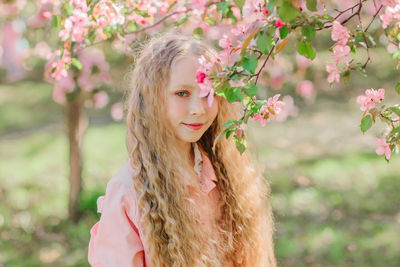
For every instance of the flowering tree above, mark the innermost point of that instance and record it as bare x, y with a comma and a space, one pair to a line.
259, 31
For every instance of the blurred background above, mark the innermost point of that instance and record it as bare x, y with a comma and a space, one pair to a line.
336, 203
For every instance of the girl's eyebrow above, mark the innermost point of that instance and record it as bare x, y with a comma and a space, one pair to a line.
183, 85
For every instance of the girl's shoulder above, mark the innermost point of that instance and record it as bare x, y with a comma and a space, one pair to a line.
123, 176
120, 191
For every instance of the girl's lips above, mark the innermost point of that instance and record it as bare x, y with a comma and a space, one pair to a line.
194, 126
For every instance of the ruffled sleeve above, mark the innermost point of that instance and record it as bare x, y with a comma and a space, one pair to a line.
115, 239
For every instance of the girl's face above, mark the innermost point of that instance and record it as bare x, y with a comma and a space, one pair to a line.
187, 113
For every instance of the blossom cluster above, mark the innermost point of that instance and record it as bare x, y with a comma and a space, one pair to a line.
341, 51
205, 82
269, 111
371, 97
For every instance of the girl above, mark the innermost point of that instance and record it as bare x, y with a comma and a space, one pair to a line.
175, 202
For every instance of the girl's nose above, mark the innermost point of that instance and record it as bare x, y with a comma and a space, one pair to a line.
197, 105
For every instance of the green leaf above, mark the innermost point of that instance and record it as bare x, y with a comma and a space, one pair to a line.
366, 123
264, 42
228, 133
223, 8
284, 31
287, 12
250, 90
311, 5
66, 9
305, 49
308, 32
271, 4
198, 33
56, 21
397, 87
395, 110
239, 3
181, 20
240, 144
228, 123
76, 63
328, 17
233, 94
250, 63
131, 26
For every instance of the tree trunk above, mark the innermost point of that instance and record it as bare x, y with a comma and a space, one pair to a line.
77, 123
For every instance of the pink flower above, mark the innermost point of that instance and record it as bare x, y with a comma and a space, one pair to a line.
389, 2
306, 89
225, 42
371, 96
279, 23
266, 11
339, 33
46, 14
206, 89
94, 70
340, 53
289, 109
333, 73
200, 76
63, 86
269, 111
383, 148
386, 18
240, 29
100, 99
117, 112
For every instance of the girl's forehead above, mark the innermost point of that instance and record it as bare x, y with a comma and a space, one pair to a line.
184, 71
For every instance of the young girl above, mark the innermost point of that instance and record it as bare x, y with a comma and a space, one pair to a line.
175, 202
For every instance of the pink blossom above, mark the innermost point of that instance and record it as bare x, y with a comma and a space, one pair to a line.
93, 60
386, 18
199, 4
100, 99
269, 111
46, 14
302, 62
289, 109
265, 11
117, 112
340, 53
279, 23
206, 89
339, 33
63, 86
371, 96
56, 65
306, 89
389, 2
383, 148
200, 77
225, 42
333, 73
240, 30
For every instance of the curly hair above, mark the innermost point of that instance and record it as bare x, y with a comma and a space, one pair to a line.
171, 227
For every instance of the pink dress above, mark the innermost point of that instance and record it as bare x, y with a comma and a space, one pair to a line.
116, 237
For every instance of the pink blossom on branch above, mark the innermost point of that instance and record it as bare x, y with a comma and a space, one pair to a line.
333, 73
341, 53
269, 111
340, 33
383, 148
204, 82
371, 97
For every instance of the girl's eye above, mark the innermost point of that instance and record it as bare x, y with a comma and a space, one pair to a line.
180, 93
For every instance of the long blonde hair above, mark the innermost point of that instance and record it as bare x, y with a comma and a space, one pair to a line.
171, 227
